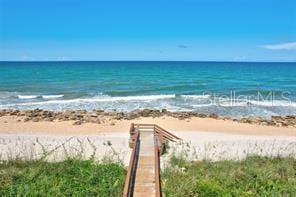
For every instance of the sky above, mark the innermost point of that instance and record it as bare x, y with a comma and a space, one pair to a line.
181, 30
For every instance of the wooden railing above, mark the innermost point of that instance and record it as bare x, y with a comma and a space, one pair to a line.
156, 168
131, 172
165, 133
157, 129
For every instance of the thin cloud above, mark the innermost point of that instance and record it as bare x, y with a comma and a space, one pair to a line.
182, 46
283, 46
26, 58
63, 58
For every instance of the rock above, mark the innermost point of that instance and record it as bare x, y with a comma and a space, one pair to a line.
51, 119
79, 122
145, 112
276, 117
94, 115
27, 119
284, 124
47, 119
119, 116
213, 115
35, 119
265, 123
132, 116
291, 117
72, 118
33, 114
37, 110
79, 116
98, 111
14, 113
164, 111
202, 115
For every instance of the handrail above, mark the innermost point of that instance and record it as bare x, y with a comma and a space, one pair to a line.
156, 168
164, 134
169, 133
127, 192
158, 129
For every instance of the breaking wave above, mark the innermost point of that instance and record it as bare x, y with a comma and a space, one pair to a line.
39, 96
27, 96
52, 96
171, 102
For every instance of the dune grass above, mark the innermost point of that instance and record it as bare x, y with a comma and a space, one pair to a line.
72, 177
254, 176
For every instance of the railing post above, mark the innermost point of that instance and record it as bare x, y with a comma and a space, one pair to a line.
132, 136
132, 129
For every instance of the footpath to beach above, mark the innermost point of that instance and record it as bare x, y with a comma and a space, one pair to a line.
143, 175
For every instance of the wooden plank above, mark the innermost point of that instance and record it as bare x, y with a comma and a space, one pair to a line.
145, 176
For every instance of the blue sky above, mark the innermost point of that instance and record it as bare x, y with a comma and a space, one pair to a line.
226, 30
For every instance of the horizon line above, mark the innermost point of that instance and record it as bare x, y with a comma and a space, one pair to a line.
232, 61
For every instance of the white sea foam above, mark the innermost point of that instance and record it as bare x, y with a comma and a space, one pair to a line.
148, 98
132, 98
27, 96
6, 94
199, 103
241, 102
279, 103
100, 98
52, 96
196, 96
274, 103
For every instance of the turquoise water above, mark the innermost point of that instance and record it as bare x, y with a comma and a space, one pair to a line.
231, 89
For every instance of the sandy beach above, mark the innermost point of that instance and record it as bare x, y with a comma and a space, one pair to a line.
202, 138
16, 125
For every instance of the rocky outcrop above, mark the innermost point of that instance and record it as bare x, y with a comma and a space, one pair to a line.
99, 116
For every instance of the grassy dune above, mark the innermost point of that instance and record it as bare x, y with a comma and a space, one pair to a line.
72, 177
254, 176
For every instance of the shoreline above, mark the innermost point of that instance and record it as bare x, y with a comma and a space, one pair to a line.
100, 116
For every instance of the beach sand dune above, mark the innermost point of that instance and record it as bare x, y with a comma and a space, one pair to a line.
202, 139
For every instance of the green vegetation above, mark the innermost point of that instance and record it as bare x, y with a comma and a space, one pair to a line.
72, 177
254, 176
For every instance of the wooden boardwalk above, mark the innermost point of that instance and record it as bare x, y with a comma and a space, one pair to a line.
143, 173
145, 177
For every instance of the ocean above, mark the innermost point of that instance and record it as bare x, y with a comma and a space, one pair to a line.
236, 89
